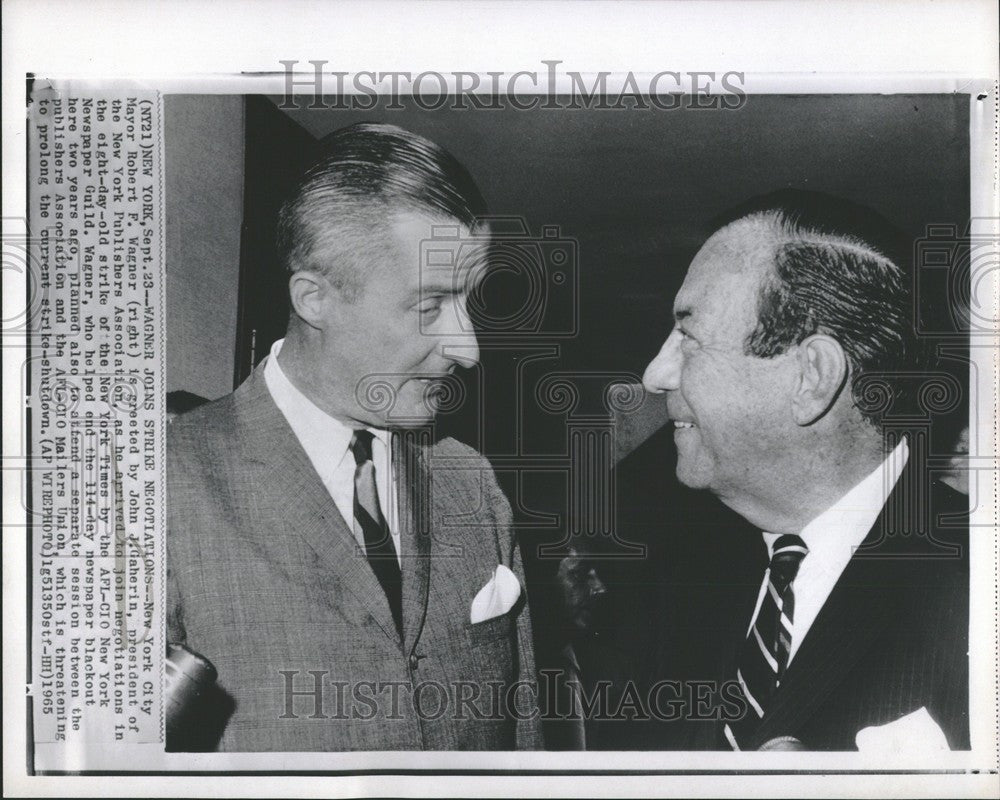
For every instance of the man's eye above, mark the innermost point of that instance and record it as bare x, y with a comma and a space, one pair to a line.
430, 306
687, 340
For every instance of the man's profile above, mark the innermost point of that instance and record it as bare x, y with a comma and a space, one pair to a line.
311, 557
792, 350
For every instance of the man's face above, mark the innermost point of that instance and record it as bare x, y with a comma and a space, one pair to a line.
581, 588
730, 411
408, 329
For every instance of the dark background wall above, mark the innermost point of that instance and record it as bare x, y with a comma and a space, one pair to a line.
203, 165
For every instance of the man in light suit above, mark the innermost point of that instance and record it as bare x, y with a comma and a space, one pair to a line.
786, 375
355, 583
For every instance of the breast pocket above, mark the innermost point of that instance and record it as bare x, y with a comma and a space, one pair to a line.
500, 627
489, 648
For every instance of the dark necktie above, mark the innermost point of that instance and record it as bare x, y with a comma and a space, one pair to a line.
763, 658
368, 516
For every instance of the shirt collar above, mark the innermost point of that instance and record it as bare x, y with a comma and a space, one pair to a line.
314, 428
833, 536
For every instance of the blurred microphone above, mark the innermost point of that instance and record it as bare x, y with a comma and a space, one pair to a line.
779, 743
189, 676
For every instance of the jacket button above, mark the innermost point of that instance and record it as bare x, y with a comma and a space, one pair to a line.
414, 662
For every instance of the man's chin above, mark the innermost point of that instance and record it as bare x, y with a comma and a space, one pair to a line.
410, 423
412, 415
410, 405
691, 478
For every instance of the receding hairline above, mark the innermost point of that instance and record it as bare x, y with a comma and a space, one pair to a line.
789, 232
353, 251
770, 232
363, 223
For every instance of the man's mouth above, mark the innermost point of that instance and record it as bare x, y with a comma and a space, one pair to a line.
430, 386
433, 387
680, 424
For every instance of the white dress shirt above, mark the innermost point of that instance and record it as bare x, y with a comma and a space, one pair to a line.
832, 538
327, 442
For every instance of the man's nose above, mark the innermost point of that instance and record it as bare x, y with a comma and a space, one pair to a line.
459, 342
663, 372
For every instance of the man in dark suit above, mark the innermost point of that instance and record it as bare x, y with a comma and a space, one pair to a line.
355, 583
790, 364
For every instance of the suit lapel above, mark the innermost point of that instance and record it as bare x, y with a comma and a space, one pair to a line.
867, 597
734, 615
733, 620
854, 618
413, 498
299, 502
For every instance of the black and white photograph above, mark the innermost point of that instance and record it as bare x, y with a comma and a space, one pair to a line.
615, 379
559, 422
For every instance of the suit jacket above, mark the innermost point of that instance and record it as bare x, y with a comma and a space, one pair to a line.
891, 638
265, 579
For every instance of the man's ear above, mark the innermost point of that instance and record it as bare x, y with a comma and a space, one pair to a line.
822, 375
310, 293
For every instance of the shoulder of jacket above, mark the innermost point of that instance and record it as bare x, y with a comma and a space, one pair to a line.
449, 447
199, 430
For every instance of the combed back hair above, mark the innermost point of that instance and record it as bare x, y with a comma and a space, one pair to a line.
842, 270
361, 177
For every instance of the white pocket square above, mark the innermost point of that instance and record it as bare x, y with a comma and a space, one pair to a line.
496, 597
915, 733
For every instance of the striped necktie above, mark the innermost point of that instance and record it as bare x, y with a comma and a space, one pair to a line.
764, 655
368, 516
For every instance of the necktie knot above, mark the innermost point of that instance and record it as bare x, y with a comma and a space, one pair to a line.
789, 550
361, 446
